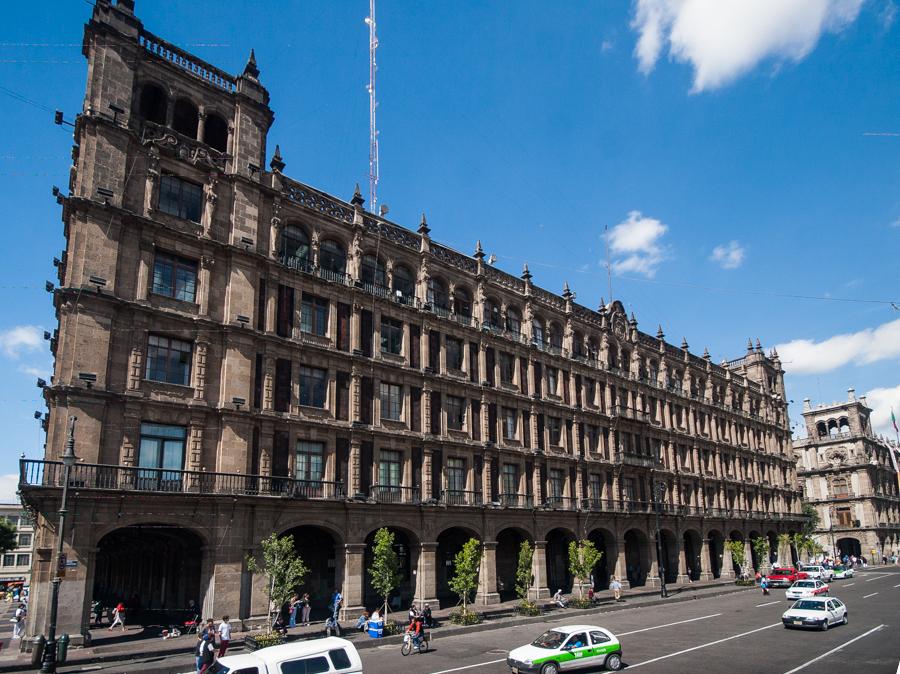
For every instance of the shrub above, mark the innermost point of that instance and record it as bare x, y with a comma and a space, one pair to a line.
465, 617
744, 583
390, 627
528, 608
264, 640
580, 602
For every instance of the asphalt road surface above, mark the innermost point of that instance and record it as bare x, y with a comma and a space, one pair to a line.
737, 633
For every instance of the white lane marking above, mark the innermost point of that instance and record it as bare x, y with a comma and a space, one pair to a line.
879, 577
849, 585
680, 622
480, 664
711, 643
898, 585
834, 650
866, 596
768, 604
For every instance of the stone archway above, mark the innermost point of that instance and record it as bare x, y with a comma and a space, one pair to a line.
716, 542
849, 546
509, 542
668, 555
558, 575
319, 550
605, 542
692, 545
637, 557
450, 542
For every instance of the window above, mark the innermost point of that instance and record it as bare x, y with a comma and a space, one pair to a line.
391, 336
313, 386
339, 658
437, 295
153, 104
599, 638
554, 427
314, 315
314, 665
456, 413
284, 311
13, 520
590, 392
456, 474
373, 272
168, 360
552, 381
282, 390
175, 277
507, 367
556, 482
492, 314
555, 336
310, 461
332, 257
215, 133
595, 488
185, 118
509, 478
161, 452
513, 320
9, 560
24, 540
462, 303
391, 401
389, 468
510, 419
537, 331
577, 641
403, 281
180, 198
840, 488
295, 246
454, 353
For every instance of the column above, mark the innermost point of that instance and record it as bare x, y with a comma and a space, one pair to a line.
136, 360
683, 573
269, 384
706, 567
426, 575
200, 359
621, 568
354, 468
486, 493
352, 584
427, 459
539, 589
487, 578
206, 262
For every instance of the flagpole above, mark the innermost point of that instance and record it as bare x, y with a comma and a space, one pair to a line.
895, 448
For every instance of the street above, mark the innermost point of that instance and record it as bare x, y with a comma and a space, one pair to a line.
741, 632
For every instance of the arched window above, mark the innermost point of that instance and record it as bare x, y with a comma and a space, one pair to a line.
403, 281
844, 425
185, 118
462, 302
294, 246
373, 272
555, 335
821, 429
593, 347
437, 294
578, 343
537, 330
832, 427
492, 315
332, 257
513, 320
215, 133
153, 104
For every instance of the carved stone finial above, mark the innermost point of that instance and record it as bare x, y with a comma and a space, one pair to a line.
660, 335
758, 345
749, 345
251, 70
774, 353
567, 292
684, 344
479, 252
706, 353
357, 199
633, 321
526, 275
424, 229
277, 164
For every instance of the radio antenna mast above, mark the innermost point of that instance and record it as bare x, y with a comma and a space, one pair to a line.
373, 131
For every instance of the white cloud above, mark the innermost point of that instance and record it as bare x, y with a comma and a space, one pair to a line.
9, 483
881, 400
607, 45
722, 39
635, 243
805, 356
729, 255
19, 339
41, 372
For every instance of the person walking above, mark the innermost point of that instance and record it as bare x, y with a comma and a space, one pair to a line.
206, 651
305, 609
19, 618
616, 588
764, 584
224, 635
118, 617
336, 600
294, 608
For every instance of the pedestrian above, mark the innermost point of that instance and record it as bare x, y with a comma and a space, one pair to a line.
305, 609
224, 635
206, 651
19, 620
336, 600
764, 584
591, 595
616, 588
294, 608
412, 612
559, 600
118, 617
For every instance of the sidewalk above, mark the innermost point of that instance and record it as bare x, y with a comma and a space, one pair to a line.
141, 642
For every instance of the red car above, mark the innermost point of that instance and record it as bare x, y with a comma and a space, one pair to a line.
785, 576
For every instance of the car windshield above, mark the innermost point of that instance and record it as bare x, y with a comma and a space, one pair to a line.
804, 583
549, 639
781, 572
809, 605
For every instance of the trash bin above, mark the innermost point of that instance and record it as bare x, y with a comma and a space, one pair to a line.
37, 650
376, 629
62, 648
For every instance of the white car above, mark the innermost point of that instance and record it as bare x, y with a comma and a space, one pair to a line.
841, 572
819, 572
803, 589
330, 654
567, 647
821, 613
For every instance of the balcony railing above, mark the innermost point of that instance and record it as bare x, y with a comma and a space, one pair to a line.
389, 493
516, 500
298, 263
49, 474
333, 276
460, 497
561, 503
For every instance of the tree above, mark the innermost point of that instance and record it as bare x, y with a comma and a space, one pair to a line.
523, 571
736, 548
282, 566
466, 566
812, 519
385, 569
762, 548
583, 557
9, 537
784, 541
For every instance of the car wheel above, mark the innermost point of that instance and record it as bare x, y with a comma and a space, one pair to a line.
550, 668
613, 662
825, 625
846, 618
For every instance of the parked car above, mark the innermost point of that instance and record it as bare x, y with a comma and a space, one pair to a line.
841, 572
820, 613
330, 654
785, 576
567, 647
806, 588
818, 571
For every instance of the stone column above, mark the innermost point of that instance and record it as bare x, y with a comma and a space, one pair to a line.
353, 580
206, 263
486, 493
487, 577
136, 360
706, 566
426, 575
621, 567
268, 402
426, 475
354, 467
200, 368
683, 573
539, 589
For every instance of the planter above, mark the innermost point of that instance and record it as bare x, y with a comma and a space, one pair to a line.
255, 642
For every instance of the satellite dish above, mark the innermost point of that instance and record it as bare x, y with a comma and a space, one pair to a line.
383, 210
492, 259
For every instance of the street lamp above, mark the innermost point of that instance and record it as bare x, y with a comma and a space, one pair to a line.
659, 490
48, 662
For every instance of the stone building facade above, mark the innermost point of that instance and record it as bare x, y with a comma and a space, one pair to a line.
15, 563
246, 354
846, 472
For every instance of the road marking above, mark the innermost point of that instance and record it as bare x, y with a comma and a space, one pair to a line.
680, 622
834, 650
898, 585
480, 664
768, 603
849, 585
866, 596
711, 643
879, 577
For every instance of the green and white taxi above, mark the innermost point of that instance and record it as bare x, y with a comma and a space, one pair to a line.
565, 648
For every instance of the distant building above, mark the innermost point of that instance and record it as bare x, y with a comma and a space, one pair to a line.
846, 472
15, 564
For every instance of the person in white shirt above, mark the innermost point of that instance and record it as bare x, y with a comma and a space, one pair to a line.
224, 635
19, 617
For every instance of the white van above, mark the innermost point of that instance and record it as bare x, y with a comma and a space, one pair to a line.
315, 656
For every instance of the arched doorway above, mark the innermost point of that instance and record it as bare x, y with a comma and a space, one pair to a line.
716, 552
450, 542
558, 576
738, 536
755, 561
637, 558
692, 546
406, 545
317, 548
668, 555
605, 542
154, 569
849, 546
773, 548
509, 542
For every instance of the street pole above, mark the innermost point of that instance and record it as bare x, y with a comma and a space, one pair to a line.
48, 663
659, 490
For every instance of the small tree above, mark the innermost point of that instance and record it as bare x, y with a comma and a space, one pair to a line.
736, 548
282, 566
385, 570
784, 541
811, 522
9, 537
798, 541
466, 566
761, 548
583, 557
523, 571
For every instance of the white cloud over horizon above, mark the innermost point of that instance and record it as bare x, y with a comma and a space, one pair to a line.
806, 356
21, 339
635, 245
9, 484
723, 39
729, 255
881, 400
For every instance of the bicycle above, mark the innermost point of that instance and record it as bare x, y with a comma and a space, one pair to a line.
408, 645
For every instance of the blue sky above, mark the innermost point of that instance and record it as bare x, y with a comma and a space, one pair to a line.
728, 151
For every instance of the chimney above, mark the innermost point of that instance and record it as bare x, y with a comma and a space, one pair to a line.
851, 394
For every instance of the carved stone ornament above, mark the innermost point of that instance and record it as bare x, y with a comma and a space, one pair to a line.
619, 325
185, 150
836, 457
